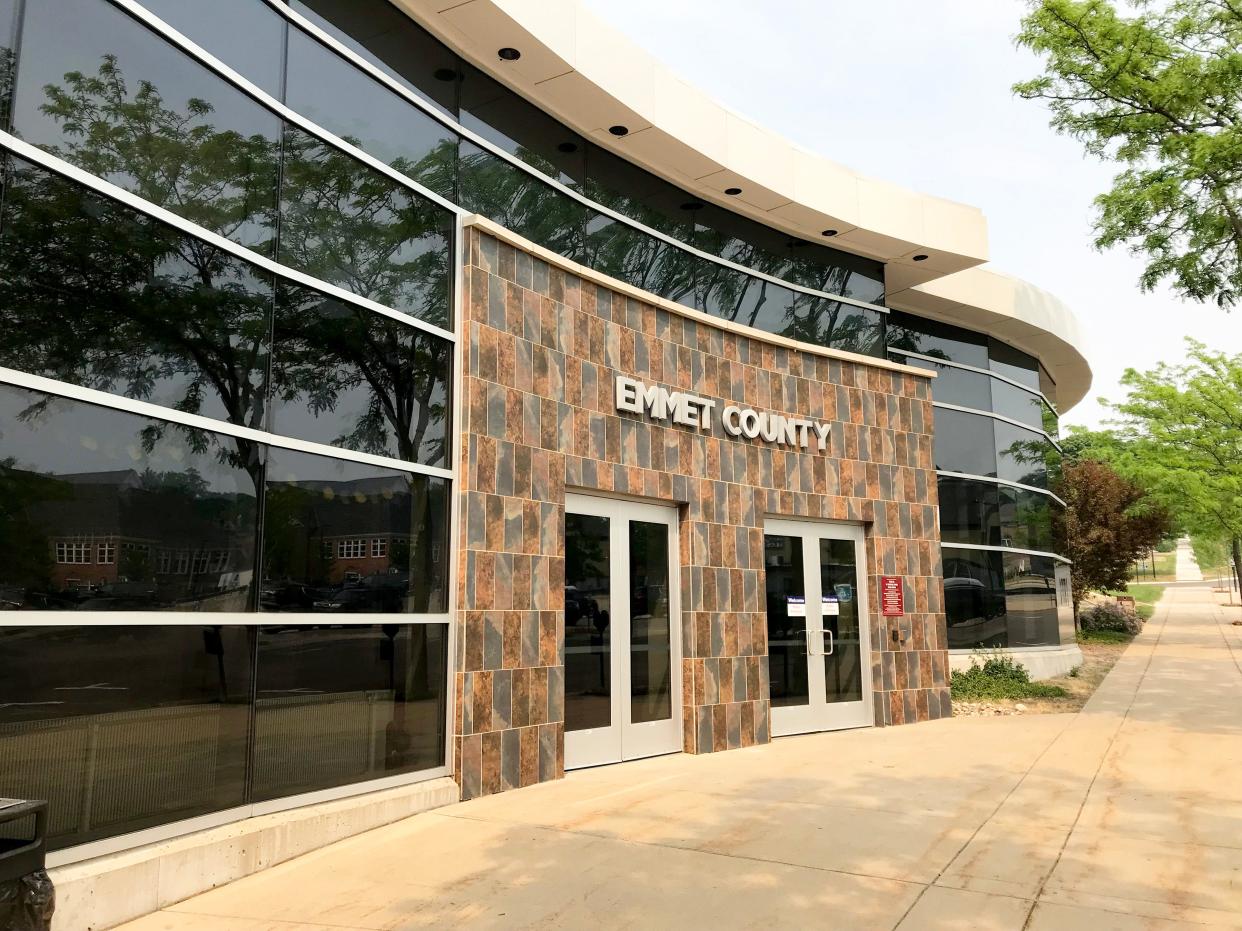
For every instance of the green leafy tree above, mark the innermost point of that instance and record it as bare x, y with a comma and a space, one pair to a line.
1108, 521
1160, 93
1180, 436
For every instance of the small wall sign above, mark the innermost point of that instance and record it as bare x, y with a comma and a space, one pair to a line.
690, 410
892, 596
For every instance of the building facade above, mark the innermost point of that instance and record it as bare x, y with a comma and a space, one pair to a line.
602, 423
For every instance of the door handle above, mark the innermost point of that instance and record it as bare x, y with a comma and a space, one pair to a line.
813, 652
831, 643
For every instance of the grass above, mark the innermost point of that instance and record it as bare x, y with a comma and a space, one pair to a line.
1103, 636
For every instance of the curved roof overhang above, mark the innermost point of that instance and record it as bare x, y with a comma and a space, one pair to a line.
589, 76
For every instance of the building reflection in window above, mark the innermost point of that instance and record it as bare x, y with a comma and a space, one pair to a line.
995, 599
103, 511
341, 537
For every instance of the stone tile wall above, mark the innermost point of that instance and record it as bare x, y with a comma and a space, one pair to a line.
538, 416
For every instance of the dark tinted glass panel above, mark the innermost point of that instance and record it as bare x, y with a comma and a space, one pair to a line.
346, 101
124, 728
843, 633
965, 442
1051, 423
521, 202
98, 295
345, 223
974, 599
342, 537
1021, 405
620, 250
389, 39
507, 120
106, 511
105, 93
1026, 519
651, 683
1007, 361
742, 298
640, 195
731, 236
8, 58
939, 340
246, 35
349, 377
953, 385
588, 622
1047, 386
969, 511
1031, 600
836, 324
824, 269
339, 705
1021, 455
786, 607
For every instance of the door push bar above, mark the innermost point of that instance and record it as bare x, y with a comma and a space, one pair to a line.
826, 638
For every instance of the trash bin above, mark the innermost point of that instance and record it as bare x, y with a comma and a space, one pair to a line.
27, 898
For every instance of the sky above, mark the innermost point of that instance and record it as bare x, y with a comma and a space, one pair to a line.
917, 92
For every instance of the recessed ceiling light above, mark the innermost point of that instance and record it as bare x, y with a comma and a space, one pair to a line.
444, 74
618, 130
692, 205
733, 191
920, 258
567, 147
509, 54
829, 233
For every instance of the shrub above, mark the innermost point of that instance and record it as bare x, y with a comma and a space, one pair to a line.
1111, 616
998, 676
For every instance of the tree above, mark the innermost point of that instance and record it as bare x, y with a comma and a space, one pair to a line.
1180, 436
1107, 523
1160, 93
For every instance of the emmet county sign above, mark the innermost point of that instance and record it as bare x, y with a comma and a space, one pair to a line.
691, 410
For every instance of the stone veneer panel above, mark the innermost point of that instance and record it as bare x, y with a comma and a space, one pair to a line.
538, 416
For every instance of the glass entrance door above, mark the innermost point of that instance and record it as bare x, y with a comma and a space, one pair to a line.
818, 648
622, 649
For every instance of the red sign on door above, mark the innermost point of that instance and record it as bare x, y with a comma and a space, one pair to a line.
892, 596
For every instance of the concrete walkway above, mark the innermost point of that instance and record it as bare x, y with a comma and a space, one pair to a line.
1126, 816
1185, 566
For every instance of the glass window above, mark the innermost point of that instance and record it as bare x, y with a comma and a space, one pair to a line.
350, 377
974, 599
344, 100
939, 340
8, 57
844, 326
1026, 519
74, 474
102, 91
314, 502
98, 295
965, 442
390, 40
507, 120
345, 223
521, 202
640, 195
953, 385
588, 613
245, 35
741, 298
1047, 386
825, 269
651, 681
618, 249
1022, 455
1021, 405
1007, 361
339, 705
124, 728
1031, 600
969, 511
785, 586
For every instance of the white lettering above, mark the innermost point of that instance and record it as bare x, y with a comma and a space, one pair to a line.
628, 390
821, 432
729, 418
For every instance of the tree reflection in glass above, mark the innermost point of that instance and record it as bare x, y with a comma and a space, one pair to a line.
349, 377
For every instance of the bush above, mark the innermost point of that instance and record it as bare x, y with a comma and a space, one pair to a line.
998, 676
1111, 616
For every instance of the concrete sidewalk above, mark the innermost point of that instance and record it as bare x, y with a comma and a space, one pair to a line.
1127, 815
